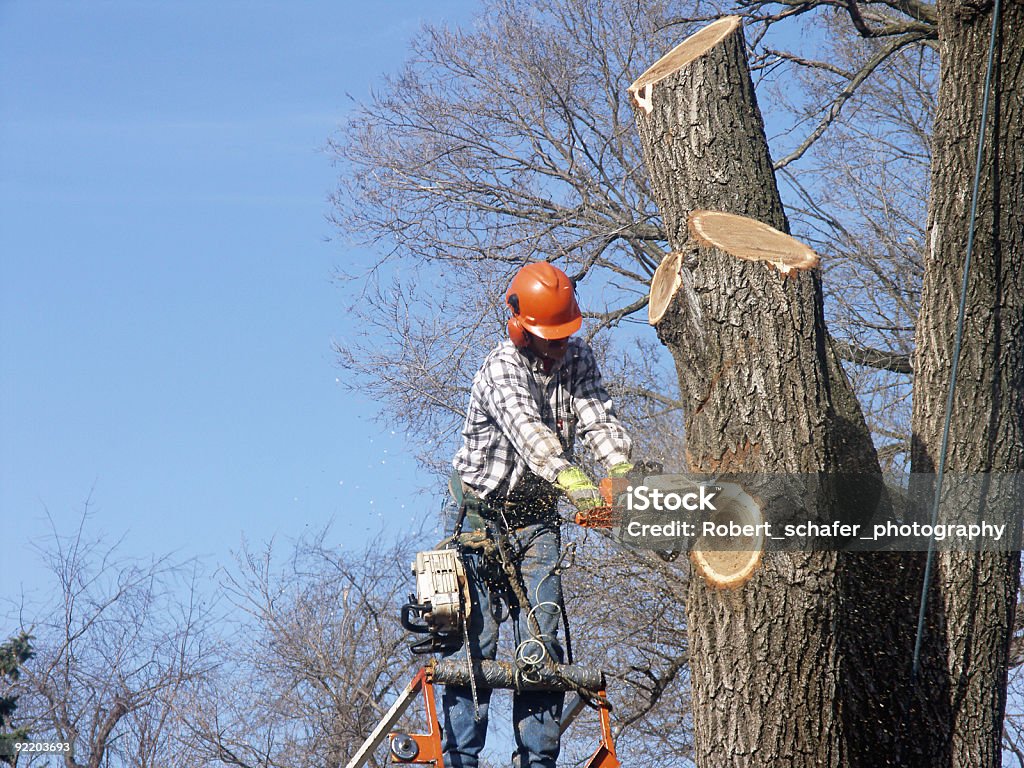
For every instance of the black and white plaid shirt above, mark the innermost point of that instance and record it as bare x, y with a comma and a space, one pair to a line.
522, 419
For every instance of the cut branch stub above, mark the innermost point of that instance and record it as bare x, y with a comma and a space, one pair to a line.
750, 240
673, 306
666, 281
729, 562
694, 46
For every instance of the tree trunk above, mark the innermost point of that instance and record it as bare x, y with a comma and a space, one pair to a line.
973, 595
764, 393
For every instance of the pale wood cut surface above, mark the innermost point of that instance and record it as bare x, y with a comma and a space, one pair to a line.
692, 47
751, 240
664, 284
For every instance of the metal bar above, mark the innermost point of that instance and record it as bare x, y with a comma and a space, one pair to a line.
573, 706
605, 756
384, 726
430, 742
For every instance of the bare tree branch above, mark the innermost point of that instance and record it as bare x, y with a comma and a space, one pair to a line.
834, 109
875, 358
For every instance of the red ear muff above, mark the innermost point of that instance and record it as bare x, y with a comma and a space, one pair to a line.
517, 333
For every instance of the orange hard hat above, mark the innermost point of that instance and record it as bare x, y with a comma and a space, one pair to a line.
543, 302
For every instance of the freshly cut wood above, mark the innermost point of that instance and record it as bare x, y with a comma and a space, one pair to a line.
738, 236
728, 562
750, 240
694, 46
666, 281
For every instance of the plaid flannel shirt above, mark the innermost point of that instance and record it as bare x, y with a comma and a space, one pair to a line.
521, 419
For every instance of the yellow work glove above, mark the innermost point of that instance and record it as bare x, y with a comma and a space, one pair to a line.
621, 469
580, 489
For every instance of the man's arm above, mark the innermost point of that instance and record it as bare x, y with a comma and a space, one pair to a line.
599, 427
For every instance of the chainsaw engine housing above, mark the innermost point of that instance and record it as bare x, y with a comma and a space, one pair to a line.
441, 602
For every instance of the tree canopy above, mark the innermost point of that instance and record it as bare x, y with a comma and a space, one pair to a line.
512, 140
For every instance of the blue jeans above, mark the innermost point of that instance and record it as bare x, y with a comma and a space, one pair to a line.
536, 715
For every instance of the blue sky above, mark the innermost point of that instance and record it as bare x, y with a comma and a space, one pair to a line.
166, 298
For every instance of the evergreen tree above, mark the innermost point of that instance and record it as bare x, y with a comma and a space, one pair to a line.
13, 654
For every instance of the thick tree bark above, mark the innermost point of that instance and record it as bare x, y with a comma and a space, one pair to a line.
764, 393
974, 595
809, 663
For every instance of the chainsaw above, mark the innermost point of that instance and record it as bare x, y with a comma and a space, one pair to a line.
441, 604
614, 491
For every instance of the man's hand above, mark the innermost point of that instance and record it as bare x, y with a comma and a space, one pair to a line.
580, 489
621, 469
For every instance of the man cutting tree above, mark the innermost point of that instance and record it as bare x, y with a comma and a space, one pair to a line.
534, 393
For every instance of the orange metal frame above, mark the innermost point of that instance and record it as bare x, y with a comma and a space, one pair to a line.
604, 756
428, 744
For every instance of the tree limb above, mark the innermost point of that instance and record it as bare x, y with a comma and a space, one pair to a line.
846, 94
873, 358
892, 26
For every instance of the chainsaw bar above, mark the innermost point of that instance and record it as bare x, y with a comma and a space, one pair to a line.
598, 517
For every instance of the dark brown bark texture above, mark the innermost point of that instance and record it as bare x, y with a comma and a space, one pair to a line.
973, 596
764, 393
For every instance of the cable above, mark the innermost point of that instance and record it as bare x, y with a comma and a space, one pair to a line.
526, 659
957, 343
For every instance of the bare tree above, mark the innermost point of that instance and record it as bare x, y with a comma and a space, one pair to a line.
1013, 725
114, 651
316, 656
509, 143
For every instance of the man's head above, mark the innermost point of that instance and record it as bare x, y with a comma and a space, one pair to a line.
544, 310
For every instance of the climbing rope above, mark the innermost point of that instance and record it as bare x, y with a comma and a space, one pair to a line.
532, 657
915, 668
